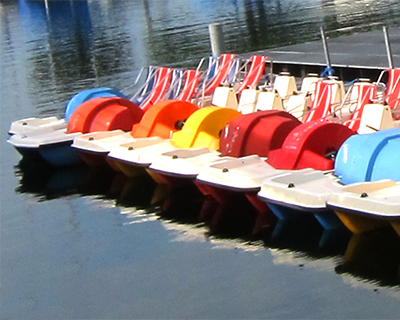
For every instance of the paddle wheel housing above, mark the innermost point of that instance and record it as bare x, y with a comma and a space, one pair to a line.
104, 114
369, 157
163, 118
86, 95
256, 133
203, 128
310, 145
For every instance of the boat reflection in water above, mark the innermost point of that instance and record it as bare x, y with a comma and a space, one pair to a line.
306, 236
372, 257
47, 183
138, 192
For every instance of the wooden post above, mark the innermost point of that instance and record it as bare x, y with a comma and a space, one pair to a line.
216, 39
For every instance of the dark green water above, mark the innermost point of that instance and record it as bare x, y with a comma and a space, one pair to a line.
79, 244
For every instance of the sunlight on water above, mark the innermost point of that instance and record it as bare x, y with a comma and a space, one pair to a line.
138, 215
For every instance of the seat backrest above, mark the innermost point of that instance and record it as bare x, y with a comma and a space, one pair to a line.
322, 103
392, 94
268, 100
375, 117
365, 93
225, 62
248, 101
210, 70
298, 104
308, 83
192, 78
254, 74
176, 85
147, 86
160, 87
285, 84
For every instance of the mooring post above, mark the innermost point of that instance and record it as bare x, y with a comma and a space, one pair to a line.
216, 39
388, 48
326, 51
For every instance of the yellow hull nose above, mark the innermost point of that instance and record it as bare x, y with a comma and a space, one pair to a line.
360, 224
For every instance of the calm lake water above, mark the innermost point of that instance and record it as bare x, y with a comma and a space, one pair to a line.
81, 244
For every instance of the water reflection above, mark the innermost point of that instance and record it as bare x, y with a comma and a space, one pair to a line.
236, 218
373, 257
67, 53
304, 235
138, 192
47, 183
76, 45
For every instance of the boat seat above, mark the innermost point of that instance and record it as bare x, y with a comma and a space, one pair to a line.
254, 74
361, 94
269, 100
225, 97
298, 104
285, 84
376, 117
308, 83
191, 82
175, 86
224, 65
248, 101
228, 96
327, 93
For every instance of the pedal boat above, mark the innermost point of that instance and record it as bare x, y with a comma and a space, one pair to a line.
97, 114
361, 158
308, 190
304, 147
49, 124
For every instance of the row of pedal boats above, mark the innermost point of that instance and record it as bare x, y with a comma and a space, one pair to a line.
287, 147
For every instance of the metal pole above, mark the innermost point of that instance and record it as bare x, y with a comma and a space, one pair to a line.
388, 48
216, 39
326, 51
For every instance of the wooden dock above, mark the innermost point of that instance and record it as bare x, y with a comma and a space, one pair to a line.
361, 55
